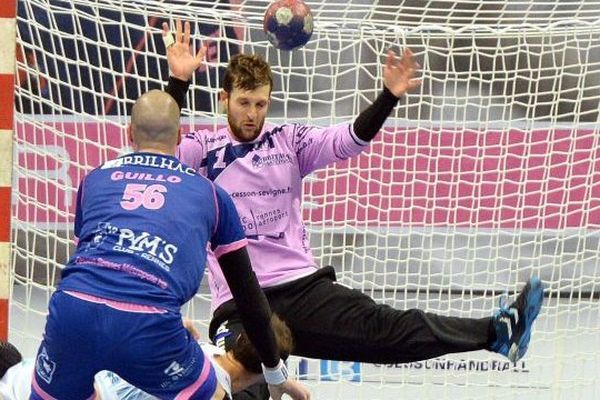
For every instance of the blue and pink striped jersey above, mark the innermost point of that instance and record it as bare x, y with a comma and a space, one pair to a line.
143, 222
264, 179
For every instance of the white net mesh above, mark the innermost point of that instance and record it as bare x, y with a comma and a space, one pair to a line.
485, 175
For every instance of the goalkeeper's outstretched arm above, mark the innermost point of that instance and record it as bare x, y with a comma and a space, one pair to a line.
398, 78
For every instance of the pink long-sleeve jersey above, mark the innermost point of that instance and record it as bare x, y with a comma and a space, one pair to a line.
264, 178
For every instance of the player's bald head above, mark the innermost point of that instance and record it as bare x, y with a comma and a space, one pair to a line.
155, 120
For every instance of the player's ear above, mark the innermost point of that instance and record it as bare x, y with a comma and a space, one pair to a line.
223, 97
130, 134
179, 135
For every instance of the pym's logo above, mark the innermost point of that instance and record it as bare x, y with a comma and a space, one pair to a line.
148, 246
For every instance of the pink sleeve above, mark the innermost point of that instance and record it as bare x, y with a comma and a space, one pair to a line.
191, 150
317, 147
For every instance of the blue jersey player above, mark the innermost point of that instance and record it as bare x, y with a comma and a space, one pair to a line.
141, 252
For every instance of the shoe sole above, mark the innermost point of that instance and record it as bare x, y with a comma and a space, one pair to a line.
535, 298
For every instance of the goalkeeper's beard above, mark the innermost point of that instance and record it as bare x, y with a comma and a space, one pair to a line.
238, 131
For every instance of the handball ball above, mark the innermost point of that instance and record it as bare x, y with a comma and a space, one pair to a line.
288, 24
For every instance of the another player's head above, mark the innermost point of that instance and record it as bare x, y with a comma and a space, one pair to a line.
246, 354
241, 360
9, 356
246, 95
155, 123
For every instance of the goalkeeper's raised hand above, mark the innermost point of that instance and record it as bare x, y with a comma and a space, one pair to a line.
182, 62
399, 73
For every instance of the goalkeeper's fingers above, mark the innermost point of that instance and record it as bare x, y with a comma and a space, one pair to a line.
167, 36
187, 31
178, 31
201, 55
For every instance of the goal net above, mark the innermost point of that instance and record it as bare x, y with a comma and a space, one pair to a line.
487, 174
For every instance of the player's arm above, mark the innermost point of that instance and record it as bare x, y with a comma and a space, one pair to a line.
78, 212
178, 89
317, 147
398, 78
251, 303
229, 246
182, 62
255, 312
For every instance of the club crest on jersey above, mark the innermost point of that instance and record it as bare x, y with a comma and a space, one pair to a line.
174, 369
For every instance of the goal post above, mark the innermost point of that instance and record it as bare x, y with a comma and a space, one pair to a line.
485, 175
7, 66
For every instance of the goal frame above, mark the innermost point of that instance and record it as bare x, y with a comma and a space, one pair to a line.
485, 175
8, 11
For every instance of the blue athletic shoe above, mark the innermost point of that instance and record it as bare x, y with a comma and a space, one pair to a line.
513, 323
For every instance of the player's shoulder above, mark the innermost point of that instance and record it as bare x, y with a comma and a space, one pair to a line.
291, 131
280, 129
165, 162
278, 134
107, 166
206, 136
91, 176
154, 165
202, 182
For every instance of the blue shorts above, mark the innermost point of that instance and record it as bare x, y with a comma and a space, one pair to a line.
153, 352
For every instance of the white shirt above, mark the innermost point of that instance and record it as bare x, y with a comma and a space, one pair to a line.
222, 376
16, 383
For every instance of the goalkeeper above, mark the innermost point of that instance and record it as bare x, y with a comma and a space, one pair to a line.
261, 166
